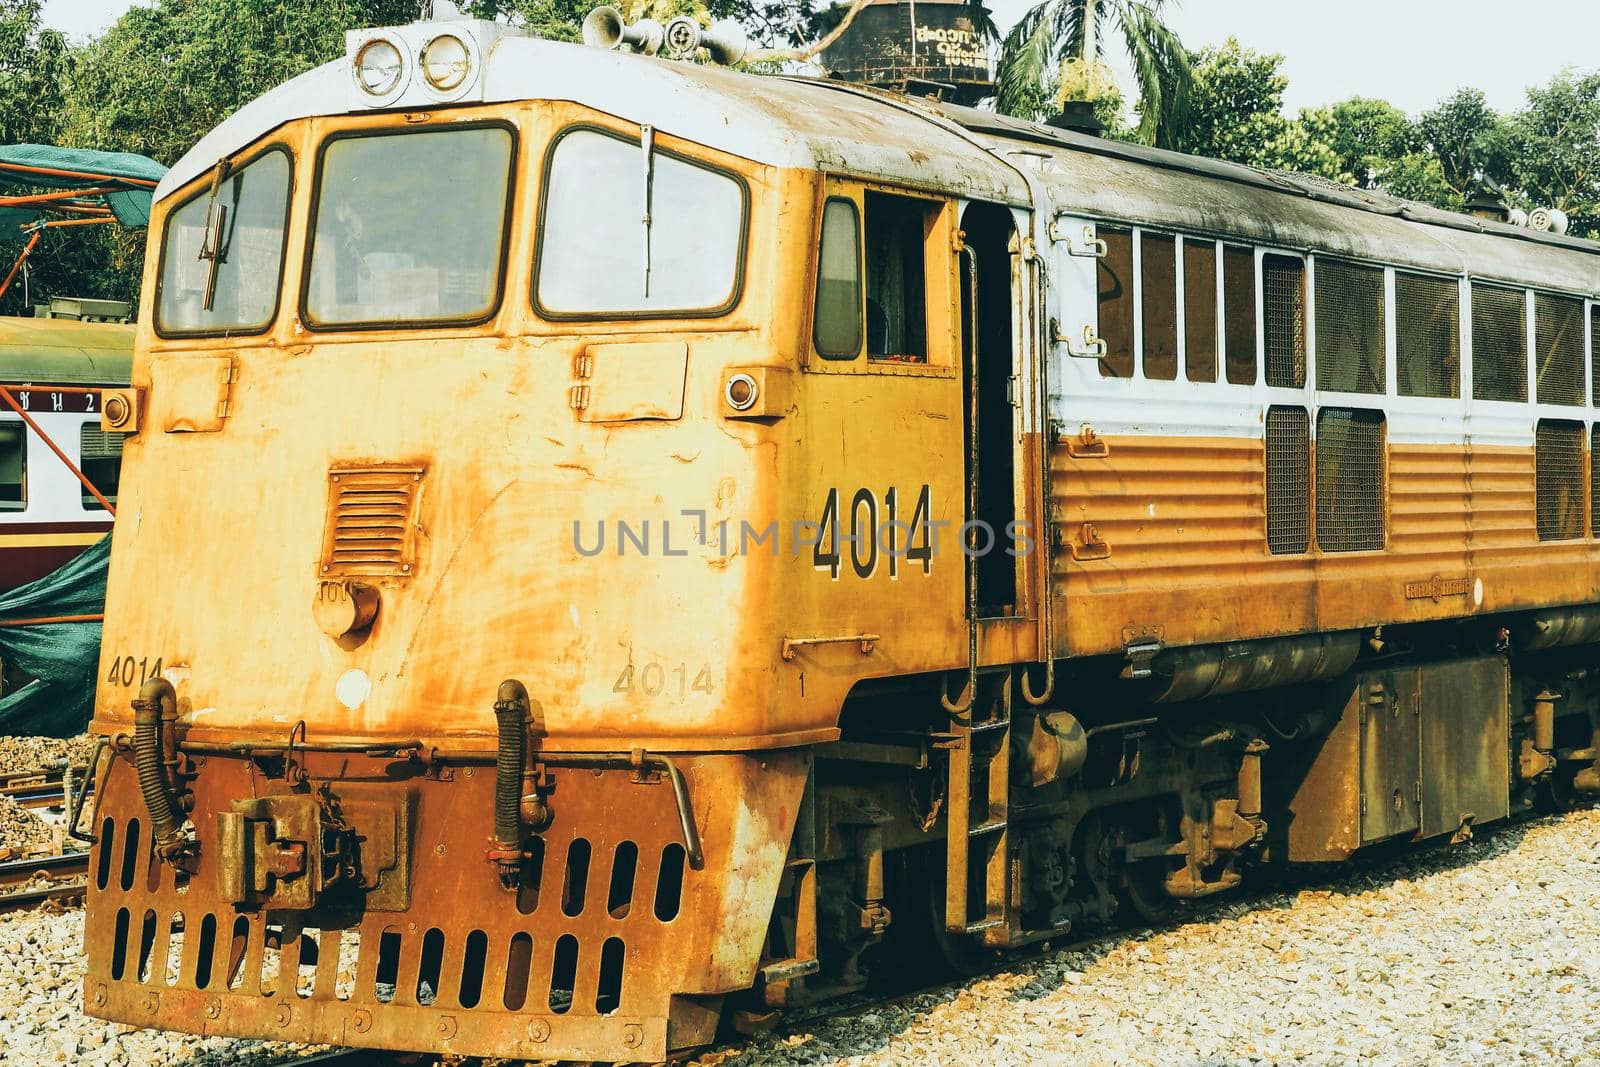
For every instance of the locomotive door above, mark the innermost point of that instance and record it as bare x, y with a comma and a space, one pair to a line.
998, 383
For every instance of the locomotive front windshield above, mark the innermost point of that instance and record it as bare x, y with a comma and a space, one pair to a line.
223, 261
410, 227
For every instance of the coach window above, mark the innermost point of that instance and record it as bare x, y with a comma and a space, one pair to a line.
837, 327
1427, 314
101, 463
1239, 313
897, 285
222, 257
1200, 310
1558, 349
1283, 308
1352, 315
1158, 276
13, 467
1499, 343
1116, 303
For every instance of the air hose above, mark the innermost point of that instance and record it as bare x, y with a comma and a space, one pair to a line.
511, 719
154, 709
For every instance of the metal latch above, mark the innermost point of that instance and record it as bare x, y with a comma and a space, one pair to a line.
1092, 246
1094, 346
1141, 652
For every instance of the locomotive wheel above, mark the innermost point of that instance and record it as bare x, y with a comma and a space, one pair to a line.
1144, 893
1556, 793
917, 941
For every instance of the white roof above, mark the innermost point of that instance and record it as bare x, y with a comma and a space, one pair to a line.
782, 122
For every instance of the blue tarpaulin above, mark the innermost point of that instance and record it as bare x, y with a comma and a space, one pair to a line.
62, 657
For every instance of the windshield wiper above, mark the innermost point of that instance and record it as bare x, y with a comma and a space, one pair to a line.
211, 242
647, 142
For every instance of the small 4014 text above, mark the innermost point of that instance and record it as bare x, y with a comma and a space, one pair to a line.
653, 679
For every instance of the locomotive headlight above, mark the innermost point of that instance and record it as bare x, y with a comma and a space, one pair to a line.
446, 62
740, 392
379, 66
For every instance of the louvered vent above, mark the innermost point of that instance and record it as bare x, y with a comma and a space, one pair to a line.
1594, 483
1558, 479
371, 526
1288, 480
1350, 480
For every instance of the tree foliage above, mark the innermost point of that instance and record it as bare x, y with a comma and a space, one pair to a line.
1054, 32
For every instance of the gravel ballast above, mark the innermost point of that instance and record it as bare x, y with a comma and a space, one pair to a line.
1488, 952
18, 754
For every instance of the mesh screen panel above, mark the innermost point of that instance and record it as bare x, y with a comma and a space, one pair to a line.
1116, 303
1200, 310
1283, 292
1350, 480
1558, 349
1499, 344
1558, 479
1594, 483
1427, 314
1350, 327
1288, 480
1158, 269
1594, 353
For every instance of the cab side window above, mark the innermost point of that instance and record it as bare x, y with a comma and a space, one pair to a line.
13, 467
837, 323
897, 229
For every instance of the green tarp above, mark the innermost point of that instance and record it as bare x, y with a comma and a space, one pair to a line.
63, 657
122, 171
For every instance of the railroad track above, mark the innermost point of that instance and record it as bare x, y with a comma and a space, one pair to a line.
39, 788
64, 877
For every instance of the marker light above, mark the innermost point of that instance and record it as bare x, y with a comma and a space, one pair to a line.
740, 392
379, 66
446, 62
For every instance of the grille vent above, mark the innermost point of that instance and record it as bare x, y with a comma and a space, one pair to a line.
1499, 344
96, 443
1558, 479
1350, 327
1558, 331
1288, 480
1283, 290
1428, 334
371, 526
1350, 480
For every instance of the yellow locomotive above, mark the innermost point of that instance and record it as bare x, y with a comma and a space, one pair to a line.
610, 546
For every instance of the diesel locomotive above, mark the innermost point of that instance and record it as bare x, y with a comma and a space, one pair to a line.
613, 547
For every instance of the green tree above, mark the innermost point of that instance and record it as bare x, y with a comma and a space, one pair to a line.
33, 64
1238, 116
1552, 149
1467, 137
1369, 135
1070, 33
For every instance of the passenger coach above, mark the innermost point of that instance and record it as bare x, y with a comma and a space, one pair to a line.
1161, 519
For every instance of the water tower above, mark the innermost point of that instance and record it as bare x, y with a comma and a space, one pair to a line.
930, 47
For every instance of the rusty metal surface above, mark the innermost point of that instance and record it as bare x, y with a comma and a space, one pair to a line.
593, 965
1465, 744
1388, 708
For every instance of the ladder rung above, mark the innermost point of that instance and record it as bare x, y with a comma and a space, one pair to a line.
992, 724
987, 828
982, 925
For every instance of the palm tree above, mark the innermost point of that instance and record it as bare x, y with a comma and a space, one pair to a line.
1068, 32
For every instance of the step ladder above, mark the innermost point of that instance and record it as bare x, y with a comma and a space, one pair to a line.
977, 856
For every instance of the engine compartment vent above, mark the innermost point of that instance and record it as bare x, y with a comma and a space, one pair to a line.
371, 525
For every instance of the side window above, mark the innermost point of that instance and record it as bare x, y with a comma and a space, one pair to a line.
837, 326
897, 299
1283, 309
1427, 314
13, 466
1558, 358
1351, 323
1239, 311
1499, 344
1116, 303
1200, 310
1158, 267
101, 463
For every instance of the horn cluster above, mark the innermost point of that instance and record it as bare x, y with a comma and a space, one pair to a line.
725, 41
